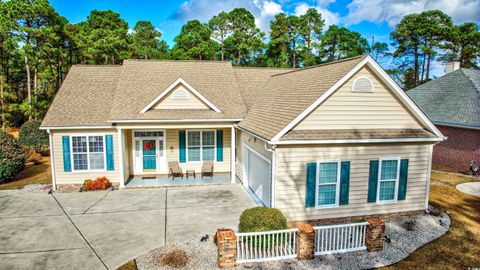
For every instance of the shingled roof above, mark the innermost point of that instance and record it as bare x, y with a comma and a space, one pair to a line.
453, 99
287, 95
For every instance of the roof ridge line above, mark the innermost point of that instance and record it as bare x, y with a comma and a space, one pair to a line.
470, 79
323, 64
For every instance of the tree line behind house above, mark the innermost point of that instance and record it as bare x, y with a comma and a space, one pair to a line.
38, 46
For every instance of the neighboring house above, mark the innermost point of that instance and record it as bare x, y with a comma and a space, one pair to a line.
452, 102
334, 140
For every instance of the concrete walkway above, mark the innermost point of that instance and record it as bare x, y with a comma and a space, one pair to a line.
103, 230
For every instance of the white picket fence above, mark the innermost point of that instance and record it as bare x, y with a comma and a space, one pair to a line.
340, 238
266, 246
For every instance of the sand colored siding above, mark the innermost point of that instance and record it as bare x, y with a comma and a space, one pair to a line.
169, 102
254, 143
63, 177
291, 178
360, 110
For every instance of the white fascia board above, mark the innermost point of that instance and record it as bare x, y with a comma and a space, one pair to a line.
174, 121
384, 77
77, 127
355, 141
189, 87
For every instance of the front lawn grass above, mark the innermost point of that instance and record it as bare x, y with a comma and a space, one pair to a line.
32, 174
459, 248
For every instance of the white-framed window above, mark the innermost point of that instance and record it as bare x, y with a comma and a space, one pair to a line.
388, 178
201, 145
362, 84
88, 153
328, 183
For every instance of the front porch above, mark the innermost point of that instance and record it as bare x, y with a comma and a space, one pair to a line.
146, 154
163, 180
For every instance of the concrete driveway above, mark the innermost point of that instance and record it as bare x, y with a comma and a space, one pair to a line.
98, 230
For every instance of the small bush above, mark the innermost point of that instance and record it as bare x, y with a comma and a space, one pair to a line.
259, 219
31, 155
12, 159
32, 136
175, 258
100, 183
410, 225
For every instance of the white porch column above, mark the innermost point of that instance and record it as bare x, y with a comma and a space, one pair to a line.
233, 143
52, 160
120, 157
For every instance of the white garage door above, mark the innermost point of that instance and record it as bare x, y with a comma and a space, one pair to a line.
257, 171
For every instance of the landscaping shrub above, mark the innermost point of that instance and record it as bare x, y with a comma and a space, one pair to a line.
31, 155
32, 136
410, 225
175, 258
100, 183
258, 219
12, 159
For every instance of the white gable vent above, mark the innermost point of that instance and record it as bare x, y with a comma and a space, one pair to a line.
180, 94
362, 84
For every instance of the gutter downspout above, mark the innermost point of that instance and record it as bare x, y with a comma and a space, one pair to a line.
272, 192
52, 161
429, 173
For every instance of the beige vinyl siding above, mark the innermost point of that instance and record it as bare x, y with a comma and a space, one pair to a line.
243, 138
291, 178
63, 177
360, 110
168, 102
172, 141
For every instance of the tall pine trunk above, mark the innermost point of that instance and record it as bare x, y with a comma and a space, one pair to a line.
428, 67
416, 66
29, 87
2, 102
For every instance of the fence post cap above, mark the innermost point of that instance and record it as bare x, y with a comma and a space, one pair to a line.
374, 221
305, 228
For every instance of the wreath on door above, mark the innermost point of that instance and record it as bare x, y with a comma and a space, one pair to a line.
148, 146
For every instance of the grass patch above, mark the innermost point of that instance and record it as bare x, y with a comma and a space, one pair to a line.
459, 248
32, 174
175, 258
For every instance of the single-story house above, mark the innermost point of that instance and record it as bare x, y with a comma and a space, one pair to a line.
452, 102
335, 140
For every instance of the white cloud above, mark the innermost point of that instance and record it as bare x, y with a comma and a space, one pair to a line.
329, 17
263, 10
391, 11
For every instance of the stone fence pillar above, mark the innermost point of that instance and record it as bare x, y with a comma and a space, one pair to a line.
226, 241
305, 242
374, 238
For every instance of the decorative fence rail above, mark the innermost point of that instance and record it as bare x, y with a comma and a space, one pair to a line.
266, 246
340, 238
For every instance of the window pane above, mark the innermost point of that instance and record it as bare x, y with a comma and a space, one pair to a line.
387, 190
96, 161
80, 162
193, 138
95, 144
208, 153
193, 153
208, 138
79, 144
389, 169
328, 172
326, 194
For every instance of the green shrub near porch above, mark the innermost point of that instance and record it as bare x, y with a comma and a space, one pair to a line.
32, 136
259, 219
12, 159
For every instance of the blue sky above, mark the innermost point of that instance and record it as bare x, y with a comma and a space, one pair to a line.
369, 17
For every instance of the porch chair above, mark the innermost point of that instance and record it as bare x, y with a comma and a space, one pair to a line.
207, 169
174, 170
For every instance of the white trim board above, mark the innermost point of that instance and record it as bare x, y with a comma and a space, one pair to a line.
355, 141
78, 127
384, 77
174, 120
189, 87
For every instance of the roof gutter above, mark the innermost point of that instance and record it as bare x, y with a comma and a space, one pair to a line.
175, 121
75, 127
286, 142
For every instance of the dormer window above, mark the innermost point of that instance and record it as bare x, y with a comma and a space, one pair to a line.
362, 84
180, 94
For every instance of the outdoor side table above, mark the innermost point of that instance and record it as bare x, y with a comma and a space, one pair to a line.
190, 173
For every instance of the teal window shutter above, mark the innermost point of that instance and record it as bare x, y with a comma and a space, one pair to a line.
373, 181
67, 162
344, 182
219, 145
402, 187
311, 185
109, 150
182, 146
